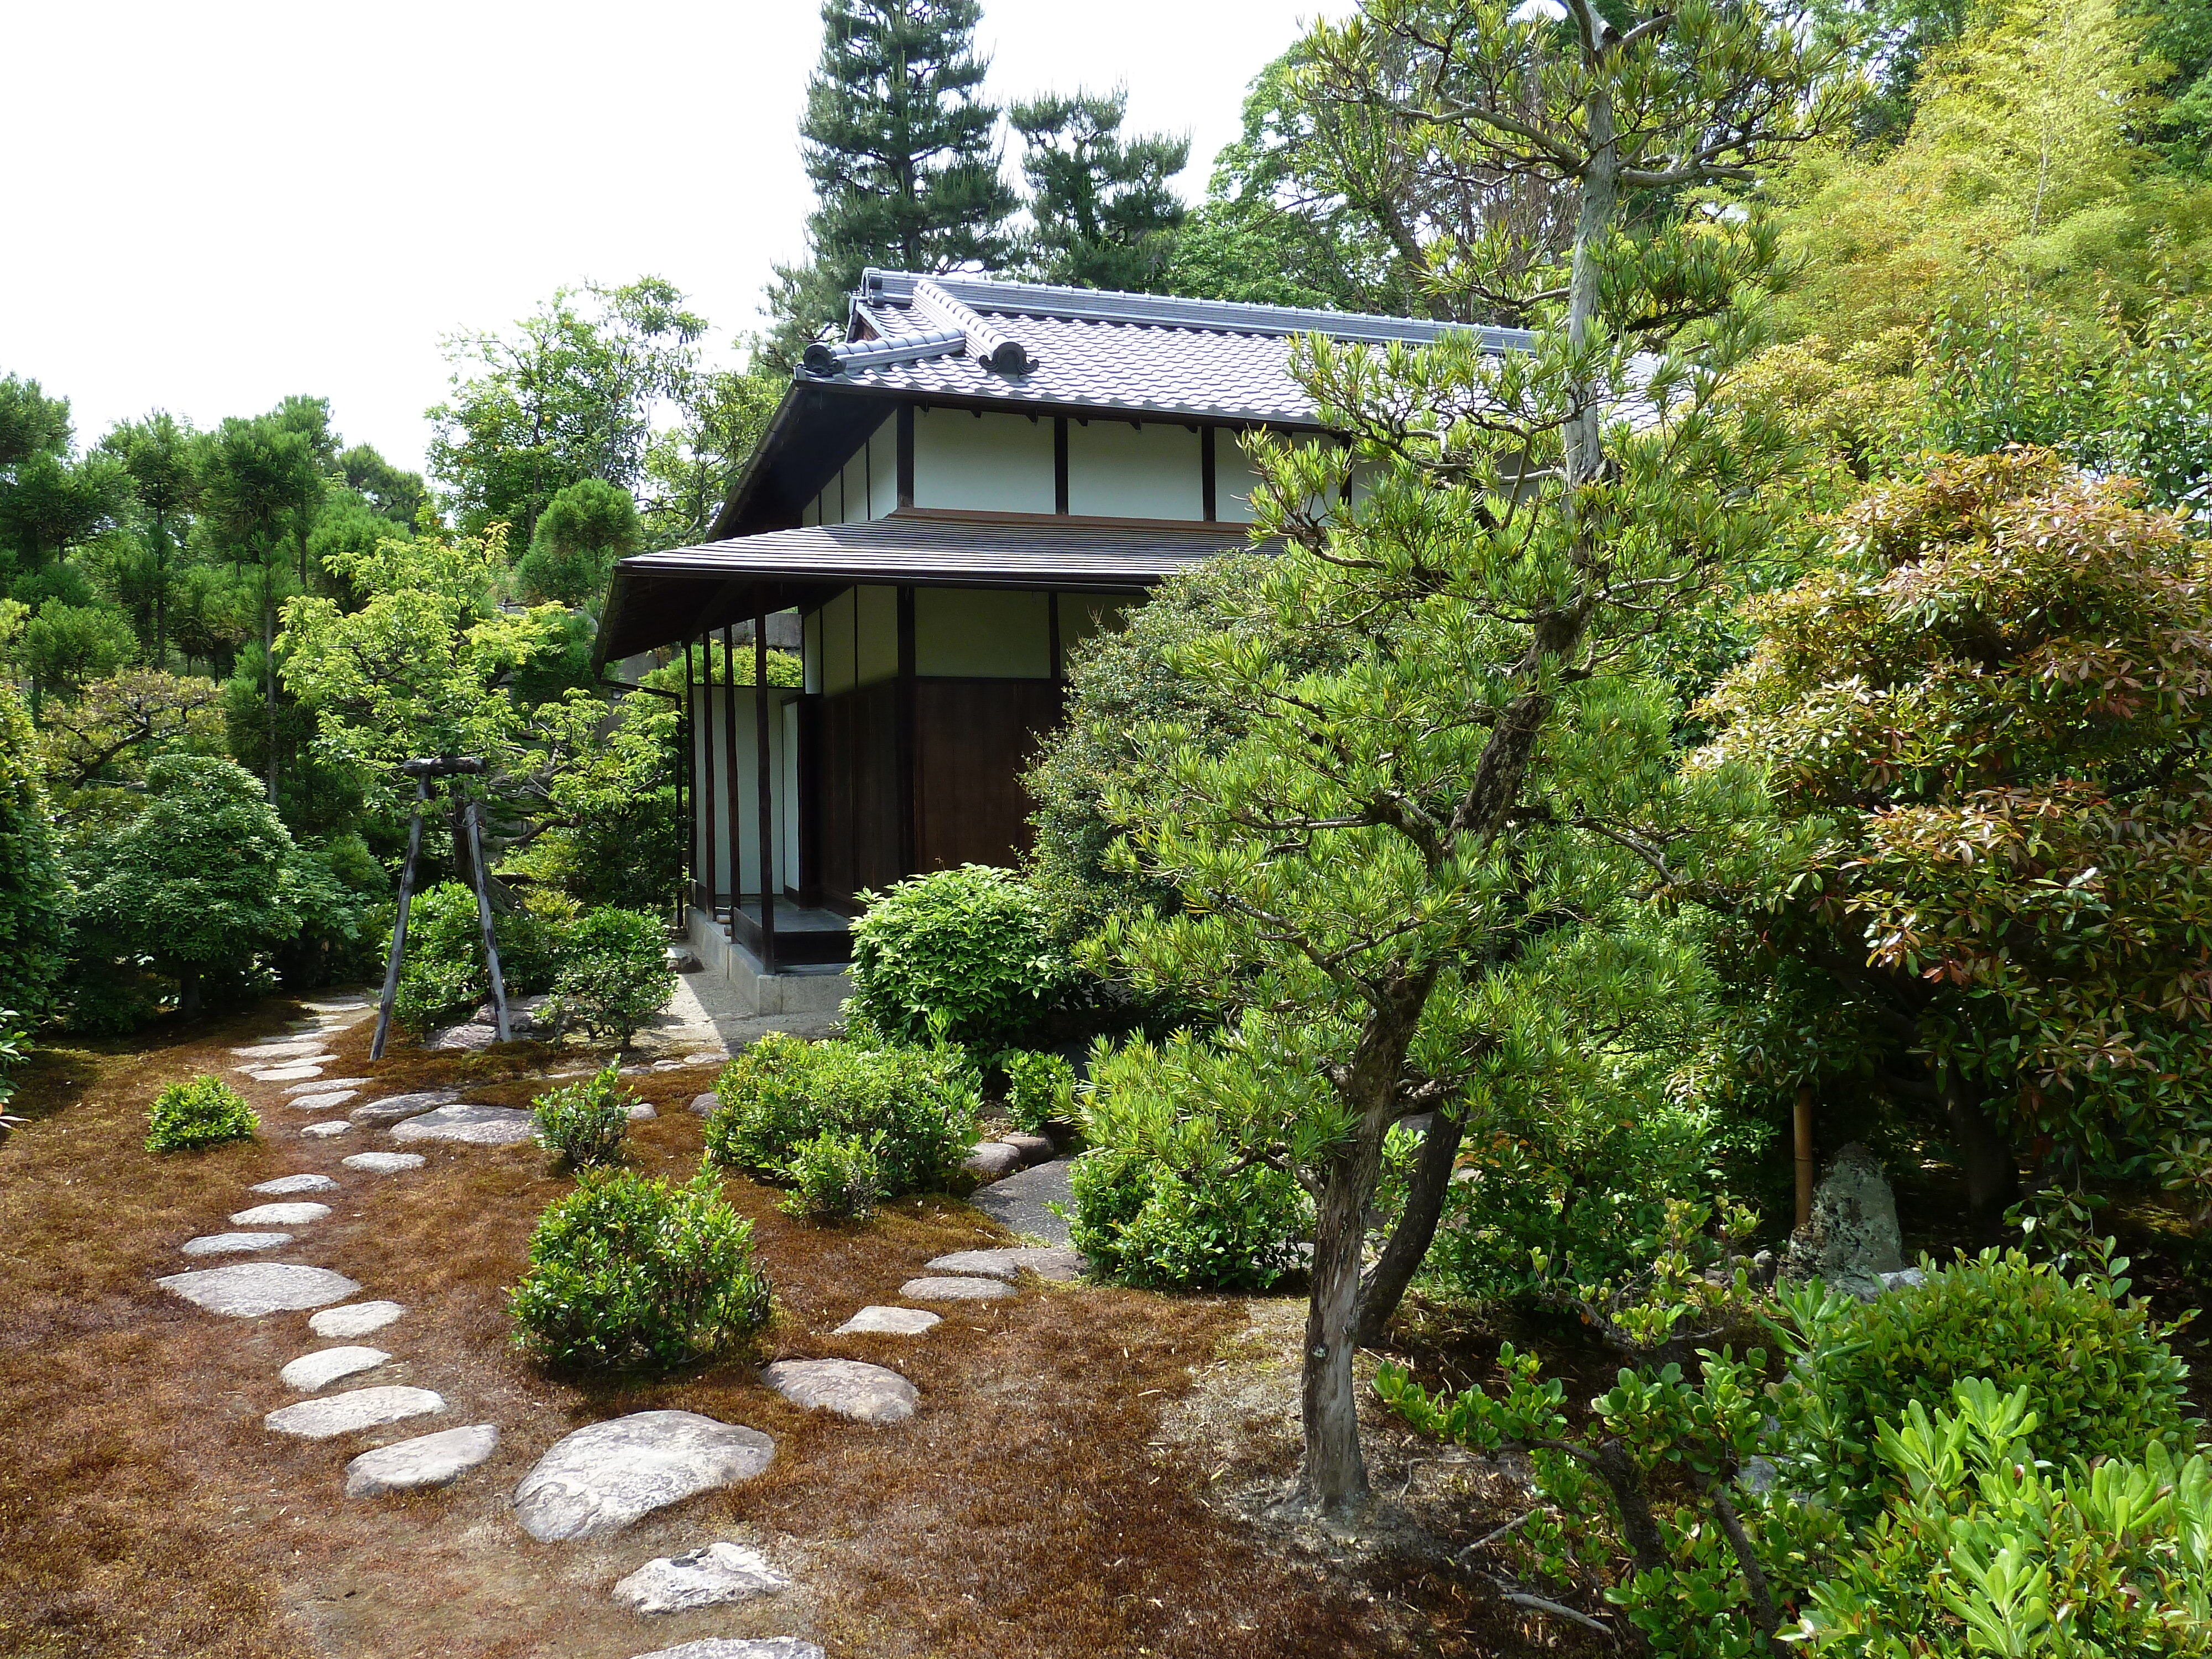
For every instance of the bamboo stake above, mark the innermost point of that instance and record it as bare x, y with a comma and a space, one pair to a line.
399, 923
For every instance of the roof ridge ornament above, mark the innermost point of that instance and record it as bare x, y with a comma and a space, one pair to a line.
824, 359
989, 346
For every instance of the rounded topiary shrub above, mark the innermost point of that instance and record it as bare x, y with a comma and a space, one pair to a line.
614, 975
1040, 1089
970, 949
205, 1112
630, 1272
584, 1123
1142, 1224
835, 1178
917, 1107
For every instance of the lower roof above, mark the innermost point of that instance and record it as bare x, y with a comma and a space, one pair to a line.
659, 599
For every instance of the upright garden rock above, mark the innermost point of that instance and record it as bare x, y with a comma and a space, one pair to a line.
1852, 1239
600, 1479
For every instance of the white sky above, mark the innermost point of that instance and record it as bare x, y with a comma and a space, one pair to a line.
212, 205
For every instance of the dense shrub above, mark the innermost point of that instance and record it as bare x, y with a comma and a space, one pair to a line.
917, 1105
34, 892
1142, 1224
445, 977
205, 1112
629, 1272
835, 1178
967, 949
614, 975
1040, 1089
585, 1123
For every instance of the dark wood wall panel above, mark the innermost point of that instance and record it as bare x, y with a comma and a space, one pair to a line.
857, 842
972, 740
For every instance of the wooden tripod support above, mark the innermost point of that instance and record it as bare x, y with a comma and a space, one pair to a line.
422, 771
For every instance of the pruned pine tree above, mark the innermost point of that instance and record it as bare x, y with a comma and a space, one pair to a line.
1394, 856
1103, 214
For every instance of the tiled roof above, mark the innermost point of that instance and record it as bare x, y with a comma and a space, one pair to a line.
1079, 347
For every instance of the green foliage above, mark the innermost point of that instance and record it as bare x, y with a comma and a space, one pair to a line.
584, 1123
585, 528
630, 1272
34, 891
614, 975
65, 646
969, 948
835, 1178
14, 1049
205, 1112
610, 833
1040, 1089
917, 1106
1101, 212
445, 975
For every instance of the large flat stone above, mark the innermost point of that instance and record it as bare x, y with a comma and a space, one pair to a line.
318, 1370
247, 1290
471, 1126
279, 1215
1054, 1261
298, 1183
394, 1108
1017, 1203
729, 1646
889, 1321
384, 1162
323, 1100
848, 1387
288, 1074
337, 1005
337, 1126
306, 1045
955, 1290
355, 1319
600, 1479
992, 1160
233, 1243
350, 1413
708, 1577
420, 1464
327, 1083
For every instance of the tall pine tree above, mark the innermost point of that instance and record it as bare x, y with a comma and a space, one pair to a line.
1103, 215
901, 149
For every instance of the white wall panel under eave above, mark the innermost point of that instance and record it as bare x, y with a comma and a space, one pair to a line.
983, 463
982, 633
810, 650
1234, 479
737, 798
877, 658
1116, 470
837, 644
883, 468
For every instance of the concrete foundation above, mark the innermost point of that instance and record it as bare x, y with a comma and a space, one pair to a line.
796, 990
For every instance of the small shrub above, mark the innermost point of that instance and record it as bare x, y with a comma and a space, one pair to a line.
445, 978
585, 1123
205, 1112
629, 1272
835, 1178
971, 946
614, 975
918, 1106
1144, 1223
1040, 1089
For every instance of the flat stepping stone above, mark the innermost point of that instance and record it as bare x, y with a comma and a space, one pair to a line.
338, 1006
1054, 1261
889, 1321
955, 1290
394, 1108
849, 1387
702, 1104
418, 1464
328, 1083
1034, 1149
280, 1215
1020, 1202
285, 1073
327, 1100
727, 1647
708, 1577
306, 1045
355, 1319
312, 1371
384, 1162
602, 1478
992, 1160
233, 1243
471, 1126
298, 1183
247, 1290
337, 1126
350, 1413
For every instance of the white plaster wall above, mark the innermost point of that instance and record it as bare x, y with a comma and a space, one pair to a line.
743, 792
1116, 470
1234, 479
879, 626
991, 463
837, 644
883, 468
982, 633
810, 651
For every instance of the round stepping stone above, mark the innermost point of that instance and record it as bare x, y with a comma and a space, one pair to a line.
1034, 1149
471, 1126
955, 1290
233, 1243
280, 1215
726, 1647
335, 1005
306, 1045
287, 1073
337, 1126
327, 1083
702, 1578
392, 1108
348, 1413
848, 1387
247, 1290
705, 1103
889, 1321
298, 1183
384, 1162
311, 1371
641, 1112
600, 1479
418, 1464
1054, 1261
328, 1100
992, 1159
356, 1319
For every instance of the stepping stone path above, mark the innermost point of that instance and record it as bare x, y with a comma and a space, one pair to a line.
955, 1290
349, 1414
328, 1083
471, 1126
279, 1050
850, 1389
233, 1243
328, 1100
337, 1126
392, 1108
889, 1321
288, 1074
280, 1215
247, 1290
418, 1464
726, 1647
312, 1371
384, 1162
298, 1183
1056, 1262
600, 1479
1019, 1202
356, 1319
704, 1577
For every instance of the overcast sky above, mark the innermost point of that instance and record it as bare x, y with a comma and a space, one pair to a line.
214, 204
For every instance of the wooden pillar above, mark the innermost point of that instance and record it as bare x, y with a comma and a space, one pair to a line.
706, 740
1802, 1126
767, 797
687, 799
908, 839
729, 754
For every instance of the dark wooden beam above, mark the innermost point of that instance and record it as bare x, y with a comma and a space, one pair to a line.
768, 883
904, 762
729, 754
906, 455
1206, 472
706, 725
1060, 464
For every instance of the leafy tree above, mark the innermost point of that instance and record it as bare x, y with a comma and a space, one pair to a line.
898, 143
66, 646
584, 530
107, 734
162, 456
1103, 214
31, 424
34, 893
398, 496
52, 504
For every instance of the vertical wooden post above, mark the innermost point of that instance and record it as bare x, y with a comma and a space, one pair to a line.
399, 923
484, 921
729, 754
706, 741
909, 828
767, 798
687, 801
1802, 1124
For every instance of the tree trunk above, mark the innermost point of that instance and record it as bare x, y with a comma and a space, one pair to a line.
1992, 1172
269, 678
1401, 1258
188, 994
1336, 1470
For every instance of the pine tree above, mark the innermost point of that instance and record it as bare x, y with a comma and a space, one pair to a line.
1103, 213
900, 146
